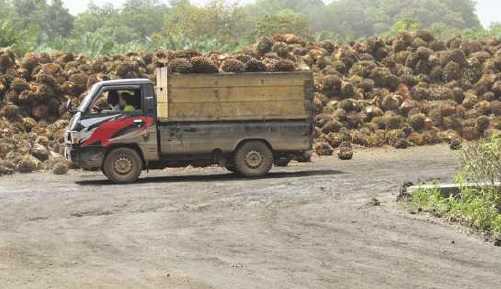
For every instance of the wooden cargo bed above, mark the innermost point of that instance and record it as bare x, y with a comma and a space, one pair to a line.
241, 96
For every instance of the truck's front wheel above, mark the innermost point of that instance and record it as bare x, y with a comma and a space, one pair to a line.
122, 165
253, 159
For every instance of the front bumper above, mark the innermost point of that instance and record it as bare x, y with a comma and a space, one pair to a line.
91, 157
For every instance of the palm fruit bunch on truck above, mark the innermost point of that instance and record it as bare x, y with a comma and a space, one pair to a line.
412, 89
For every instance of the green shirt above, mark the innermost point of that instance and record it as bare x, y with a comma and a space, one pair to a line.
129, 108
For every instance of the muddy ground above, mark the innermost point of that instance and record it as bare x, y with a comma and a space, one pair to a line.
305, 226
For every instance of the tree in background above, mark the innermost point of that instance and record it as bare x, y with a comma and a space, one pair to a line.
52, 20
308, 9
350, 22
29, 12
6, 10
406, 24
104, 21
216, 22
282, 22
495, 29
58, 20
95, 18
150, 24
262, 8
144, 17
21, 41
374, 17
467, 10
26, 24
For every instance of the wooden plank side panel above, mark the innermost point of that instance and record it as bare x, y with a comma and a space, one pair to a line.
243, 96
239, 79
161, 93
236, 94
162, 110
162, 75
162, 84
258, 110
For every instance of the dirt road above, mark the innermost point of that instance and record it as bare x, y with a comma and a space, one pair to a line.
305, 226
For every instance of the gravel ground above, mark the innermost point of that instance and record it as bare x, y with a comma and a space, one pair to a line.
311, 225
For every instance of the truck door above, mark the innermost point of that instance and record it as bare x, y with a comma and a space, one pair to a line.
149, 142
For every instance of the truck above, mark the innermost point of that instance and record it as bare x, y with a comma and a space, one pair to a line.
245, 122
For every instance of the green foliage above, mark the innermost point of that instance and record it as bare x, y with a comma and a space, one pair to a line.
282, 22
21, 41
106, 20
151, 24
430, 201
481, 164
495, 29
481, 161
478, 206
58, 21
176, 41
143, 16
351, 19
309, 9
29, 11
9, 36
95, 18
477, 212
442, 31
326, 35
217, 20
6, 10
406, 24
273, 6
370, 17
51, 20
91, 44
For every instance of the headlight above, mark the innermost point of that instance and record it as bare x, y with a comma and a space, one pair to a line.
72, 137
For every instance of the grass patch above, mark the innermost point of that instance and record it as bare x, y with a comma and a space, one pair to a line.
470, 208
478, 204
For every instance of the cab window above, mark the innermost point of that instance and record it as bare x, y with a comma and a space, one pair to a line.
117, 100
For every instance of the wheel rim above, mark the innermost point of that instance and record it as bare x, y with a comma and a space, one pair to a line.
123, 165
254, 159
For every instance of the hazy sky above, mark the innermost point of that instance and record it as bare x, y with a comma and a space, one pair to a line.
488, 10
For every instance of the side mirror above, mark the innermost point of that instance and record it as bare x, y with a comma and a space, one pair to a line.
70, 107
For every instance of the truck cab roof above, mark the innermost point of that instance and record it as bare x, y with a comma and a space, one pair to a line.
115, 83
130, 81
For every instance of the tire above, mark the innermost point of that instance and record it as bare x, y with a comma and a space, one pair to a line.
122, 165
304, 157
282, 162
253, 159
103, 171
231, 168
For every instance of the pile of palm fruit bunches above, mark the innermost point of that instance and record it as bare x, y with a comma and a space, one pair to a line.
410, 90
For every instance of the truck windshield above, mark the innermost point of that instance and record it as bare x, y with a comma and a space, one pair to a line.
88, 98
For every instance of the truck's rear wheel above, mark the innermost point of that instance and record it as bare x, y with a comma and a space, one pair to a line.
282, 162
253, 159
122, 165
231, 168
